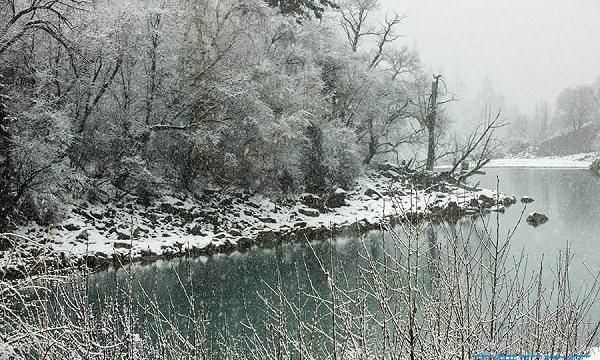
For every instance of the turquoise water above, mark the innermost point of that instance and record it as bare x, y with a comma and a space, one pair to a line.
230, 289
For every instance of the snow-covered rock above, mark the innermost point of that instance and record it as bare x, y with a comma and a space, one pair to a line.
225, 221
527, 200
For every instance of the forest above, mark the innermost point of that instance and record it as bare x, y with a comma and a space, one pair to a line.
290, 179
104, 98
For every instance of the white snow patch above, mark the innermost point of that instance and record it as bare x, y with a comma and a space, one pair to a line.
577, 161
595, 353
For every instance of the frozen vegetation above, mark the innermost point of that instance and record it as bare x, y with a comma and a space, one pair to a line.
140, 130
224, 221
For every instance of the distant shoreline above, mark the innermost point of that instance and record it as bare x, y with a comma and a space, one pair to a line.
576, 161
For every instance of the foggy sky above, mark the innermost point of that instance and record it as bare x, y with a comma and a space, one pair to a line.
530, 49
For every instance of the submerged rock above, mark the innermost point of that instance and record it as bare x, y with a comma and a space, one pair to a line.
536, 219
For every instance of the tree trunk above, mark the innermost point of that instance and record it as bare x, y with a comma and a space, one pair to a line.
314, 174
431, 123
6, 198
372, 145
430, 148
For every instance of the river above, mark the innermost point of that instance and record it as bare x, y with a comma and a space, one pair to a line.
228, 288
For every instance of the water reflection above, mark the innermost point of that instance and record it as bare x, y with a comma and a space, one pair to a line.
230, 290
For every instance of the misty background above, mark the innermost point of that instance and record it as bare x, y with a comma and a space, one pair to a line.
527, 51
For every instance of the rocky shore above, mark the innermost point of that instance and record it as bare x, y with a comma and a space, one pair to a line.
226, 220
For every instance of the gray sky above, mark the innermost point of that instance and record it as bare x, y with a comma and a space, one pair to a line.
530, 49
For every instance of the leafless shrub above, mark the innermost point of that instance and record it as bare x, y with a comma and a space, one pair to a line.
423, 290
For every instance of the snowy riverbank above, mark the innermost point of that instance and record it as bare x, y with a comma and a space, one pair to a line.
576, 161
224, 221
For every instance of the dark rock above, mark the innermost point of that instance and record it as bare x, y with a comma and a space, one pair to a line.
526, 200
391, 174
245, 242
5, 243
452, 211
536, 219
210, 192
268, 237
226, 202
398, 192
486, 200
595, 167
300, 224
388, 166
122, 236
71, 227
253, 205
508, 201
373, 193
82, 213
268, 220
122, 245
312, 200
96, 195
196, 231
228, 247
498, 208
235, 232
139, 231
309, 212
337, 198
84, 235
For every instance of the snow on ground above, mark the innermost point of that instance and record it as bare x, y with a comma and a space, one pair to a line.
577, 161
224, 221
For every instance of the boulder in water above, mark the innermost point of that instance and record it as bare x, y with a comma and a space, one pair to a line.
527, 200
595, 167
536, 219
